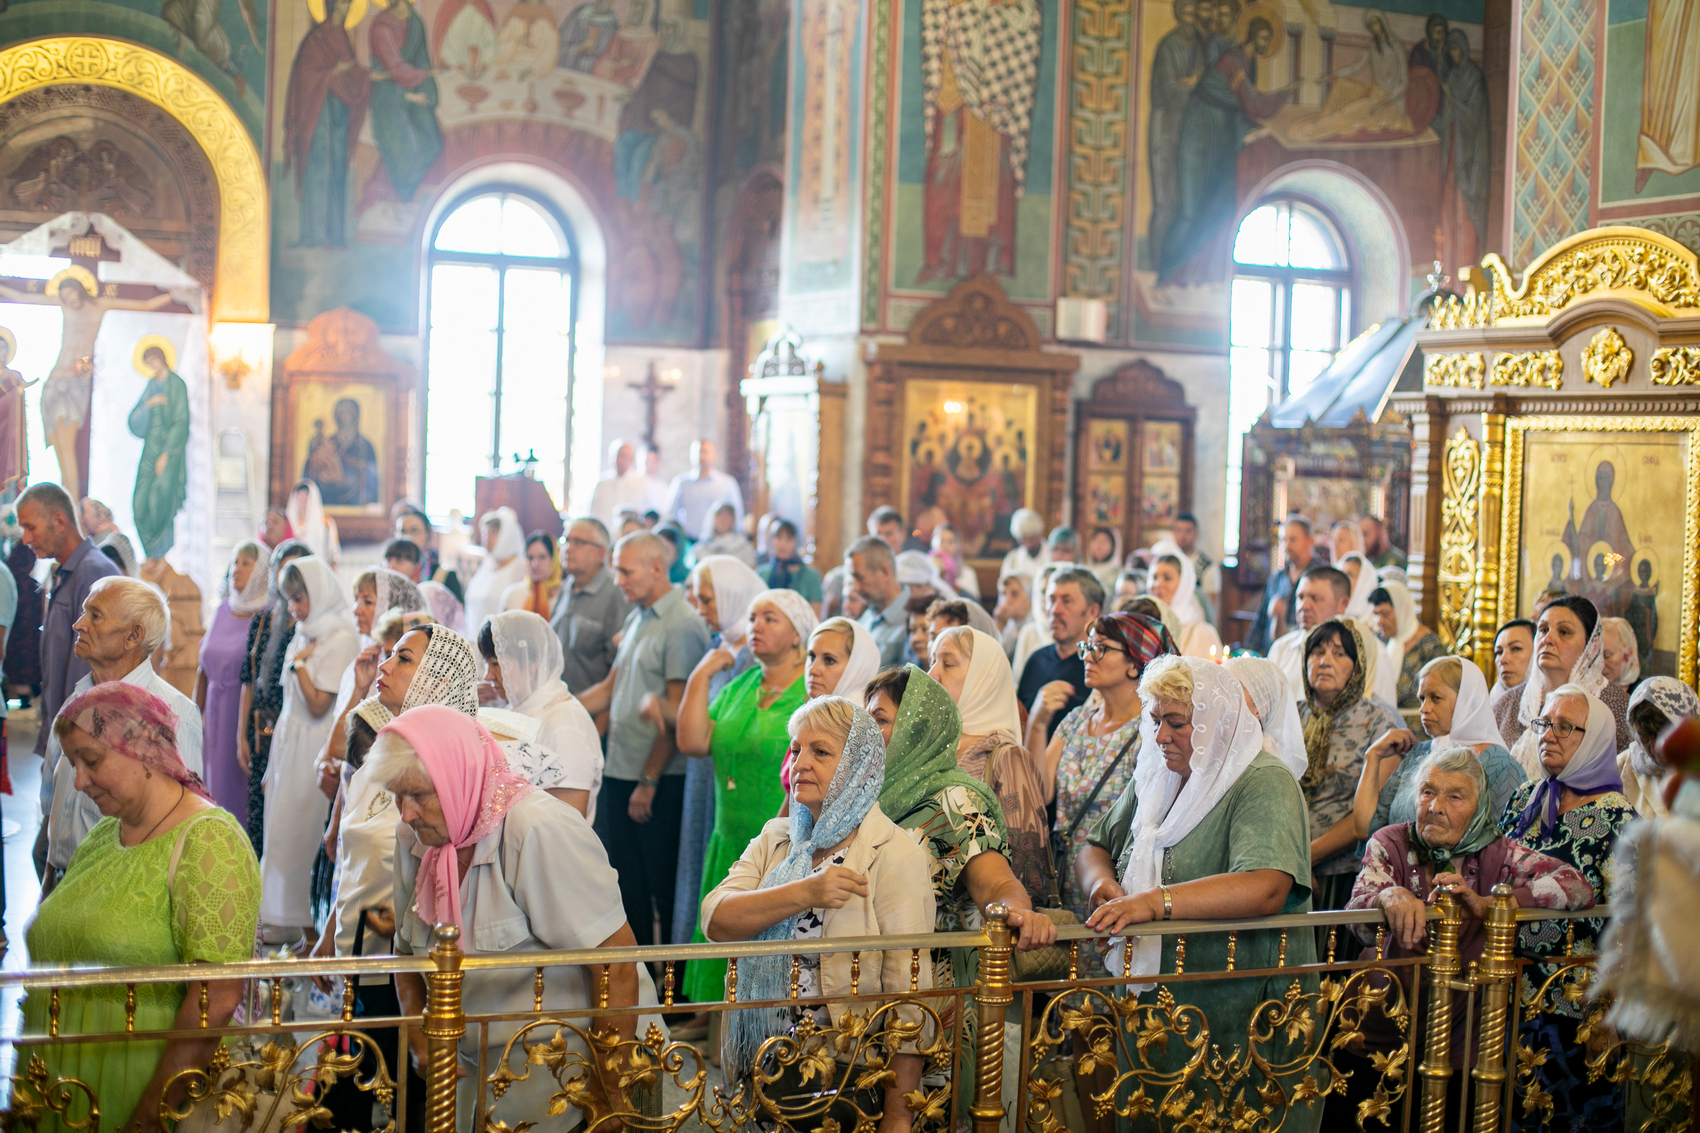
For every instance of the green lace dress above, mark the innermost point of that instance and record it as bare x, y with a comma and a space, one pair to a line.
115, 907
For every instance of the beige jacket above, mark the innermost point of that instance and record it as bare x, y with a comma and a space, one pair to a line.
899, 903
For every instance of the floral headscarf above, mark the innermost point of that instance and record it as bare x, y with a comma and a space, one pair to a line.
135, 724
1320, 727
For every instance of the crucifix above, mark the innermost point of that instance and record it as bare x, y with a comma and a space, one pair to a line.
652, 389
83, 303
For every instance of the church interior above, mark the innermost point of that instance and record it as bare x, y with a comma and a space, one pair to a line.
1151, 269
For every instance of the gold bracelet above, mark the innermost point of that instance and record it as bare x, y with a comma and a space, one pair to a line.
1168, 904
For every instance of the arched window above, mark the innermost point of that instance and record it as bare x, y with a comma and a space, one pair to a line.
1290, 311
499, 377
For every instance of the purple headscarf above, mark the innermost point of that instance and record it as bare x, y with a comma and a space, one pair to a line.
1591, 770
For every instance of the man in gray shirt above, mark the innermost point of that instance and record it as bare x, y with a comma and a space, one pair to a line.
873, 574
590, 610
642, 802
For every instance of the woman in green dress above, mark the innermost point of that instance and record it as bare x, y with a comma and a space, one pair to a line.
744, 730
165, 877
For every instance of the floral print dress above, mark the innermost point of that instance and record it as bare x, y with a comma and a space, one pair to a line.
1085, 759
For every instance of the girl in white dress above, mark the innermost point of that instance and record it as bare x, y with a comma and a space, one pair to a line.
503, 565
324, 646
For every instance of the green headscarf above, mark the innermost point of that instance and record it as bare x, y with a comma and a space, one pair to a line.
1482, 832
920, 760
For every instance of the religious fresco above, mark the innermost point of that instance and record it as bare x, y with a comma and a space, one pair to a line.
967, 451
976, 137
383, 101
821, 175
1649, 139
341, 438
1234, 92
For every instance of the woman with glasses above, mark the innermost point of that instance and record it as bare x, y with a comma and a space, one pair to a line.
1569, 649
1089, 762
1574, 812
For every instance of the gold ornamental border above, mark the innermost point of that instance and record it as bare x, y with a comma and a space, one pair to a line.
240, 291
1512, 512
1644, 267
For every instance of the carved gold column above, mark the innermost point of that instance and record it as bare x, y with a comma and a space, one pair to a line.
1490, 539
1495, 979
996, 992
1428, 446
1443, 968
1455, 576
444, 1026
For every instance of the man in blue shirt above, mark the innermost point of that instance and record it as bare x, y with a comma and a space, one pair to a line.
873, 575
49, 520
1073, 600
1279, 610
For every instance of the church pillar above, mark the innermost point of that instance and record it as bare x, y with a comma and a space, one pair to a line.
1428, 432
1488, 532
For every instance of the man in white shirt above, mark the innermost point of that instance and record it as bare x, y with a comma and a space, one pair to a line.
1323, 594
693, 494
626, 488
123, 621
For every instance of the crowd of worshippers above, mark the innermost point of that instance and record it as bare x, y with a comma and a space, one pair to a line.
610, 740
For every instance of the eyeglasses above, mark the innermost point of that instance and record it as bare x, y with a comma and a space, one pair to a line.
575, 541
1095, 649
1563, 729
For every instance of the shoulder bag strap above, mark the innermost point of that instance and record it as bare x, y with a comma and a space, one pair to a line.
1068, 838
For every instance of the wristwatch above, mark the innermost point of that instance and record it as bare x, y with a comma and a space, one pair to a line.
648, 781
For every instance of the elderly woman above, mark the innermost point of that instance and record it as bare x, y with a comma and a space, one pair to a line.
1271, 698
1410, 644
540, 587
1174, 581
1567, 650
165, 877
1014, 610
1340, 720
269, 634
515, 870
1455, 714
719, 535
744, 732
838, 867
522, 667
1212, 827
504, 564
970, 666
1574, 812
1089, 762
218, 683
1658, 703
1620, 651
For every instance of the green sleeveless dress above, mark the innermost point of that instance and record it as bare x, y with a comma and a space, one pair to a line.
115, 908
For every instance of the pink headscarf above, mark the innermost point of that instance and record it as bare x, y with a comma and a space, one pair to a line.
475, 788
135, 724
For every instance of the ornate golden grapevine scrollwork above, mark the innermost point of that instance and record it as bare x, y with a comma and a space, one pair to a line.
1530, 368
241, 291
1607, 358
269, 1088
36, 1093
1461, 480
1635, 260
1676, 366
1466, 371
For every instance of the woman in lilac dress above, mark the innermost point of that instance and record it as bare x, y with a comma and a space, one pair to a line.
218, 686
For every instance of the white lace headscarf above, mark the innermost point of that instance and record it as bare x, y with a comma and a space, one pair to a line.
447, 674
917, 568
1671, 697
529, 652
735, 587
1357, 606
251, 599
1226, 737
1185, 604
1588, 673
1277, 711
1472, 712
395, 591
1404, 618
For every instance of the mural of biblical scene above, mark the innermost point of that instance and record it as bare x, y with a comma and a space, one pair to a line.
976, 129
1327, 500
222, 41
1235, 91
1650, 118
161, 419
1581, 492
967, 453
386, 100
339, 444
14, 444
821, 176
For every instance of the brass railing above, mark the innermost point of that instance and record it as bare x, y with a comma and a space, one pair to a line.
1090, 1049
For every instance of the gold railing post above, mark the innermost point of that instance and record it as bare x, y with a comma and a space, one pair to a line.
444, 1026
1497, 972
1443, 967
995, 993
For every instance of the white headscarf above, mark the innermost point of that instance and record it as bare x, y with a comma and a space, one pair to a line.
979, 618
395, 591
794, 606
328, 617
308, 520
1588, 674
1671, 697
1472, 713
1185, 604
503, 565
1024, 523
1226, 737
447, 674
444, 606
1627, 642
510, 536
1404, 619
862, 666
1357, 606
735, 586
1277, 712
917, 568
252, 597
529, 652
987, 702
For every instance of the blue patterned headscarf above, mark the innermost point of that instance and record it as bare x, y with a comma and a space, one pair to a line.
854, 790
